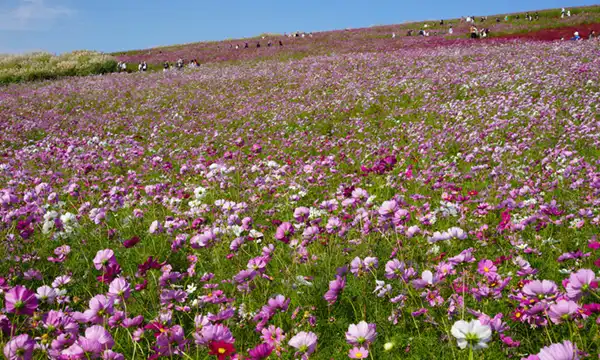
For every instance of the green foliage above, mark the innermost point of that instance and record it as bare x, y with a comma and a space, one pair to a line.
45, 66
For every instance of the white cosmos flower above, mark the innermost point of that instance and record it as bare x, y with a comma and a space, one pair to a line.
472, 334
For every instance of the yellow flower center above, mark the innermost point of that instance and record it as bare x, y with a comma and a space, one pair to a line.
222, 351
486, 269
358, 354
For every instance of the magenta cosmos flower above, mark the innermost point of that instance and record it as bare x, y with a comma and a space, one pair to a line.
361, 333
260, 352
305, 342
19, 348
563, 351
20, 300
284, 231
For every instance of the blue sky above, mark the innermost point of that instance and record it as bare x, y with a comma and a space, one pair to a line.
111, 25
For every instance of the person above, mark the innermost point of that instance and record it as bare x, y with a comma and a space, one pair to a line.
562, 13
536, 16
179, 64
421, 32
576, 36
506, 18
485, 33
258, 44
237, 46
269, 43
144, 66
393, 35
280, 43
442, 22
450, 30
592, 35
245, 45
140, 67
568, 13
497, 19
166, 66
473, 31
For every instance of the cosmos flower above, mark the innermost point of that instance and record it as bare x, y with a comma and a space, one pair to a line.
304, 342
358, 353
472, 334
581, 282
21, 301
562, 351
19, 347
361, 333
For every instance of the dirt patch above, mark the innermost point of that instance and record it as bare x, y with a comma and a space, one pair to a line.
555, 34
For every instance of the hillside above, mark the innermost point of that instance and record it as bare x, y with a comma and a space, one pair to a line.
373, 39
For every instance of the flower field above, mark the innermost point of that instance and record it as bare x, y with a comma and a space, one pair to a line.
427, 202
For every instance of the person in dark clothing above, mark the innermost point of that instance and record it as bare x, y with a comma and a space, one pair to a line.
258, 45
536, 16
280, 43
245, 45
269, 44
442, 22
592, 35
166, 66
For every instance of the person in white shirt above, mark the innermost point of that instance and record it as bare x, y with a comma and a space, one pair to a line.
450, 31
140, 67
393, 35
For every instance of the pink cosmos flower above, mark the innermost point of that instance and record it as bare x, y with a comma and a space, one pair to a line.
358, 353
104, 258
563, 310
21, 301
580, 282
284, 231
486, 267
305, 342
563, 351
272, 335
361, 333
119, 287
19, 348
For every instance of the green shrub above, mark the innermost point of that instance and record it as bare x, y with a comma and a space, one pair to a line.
44, 66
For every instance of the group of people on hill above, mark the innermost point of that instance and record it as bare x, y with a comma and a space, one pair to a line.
298, 34
576, 37
476, 33
247, 45
565, 13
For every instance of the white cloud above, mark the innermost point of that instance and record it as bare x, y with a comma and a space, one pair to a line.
32, 15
